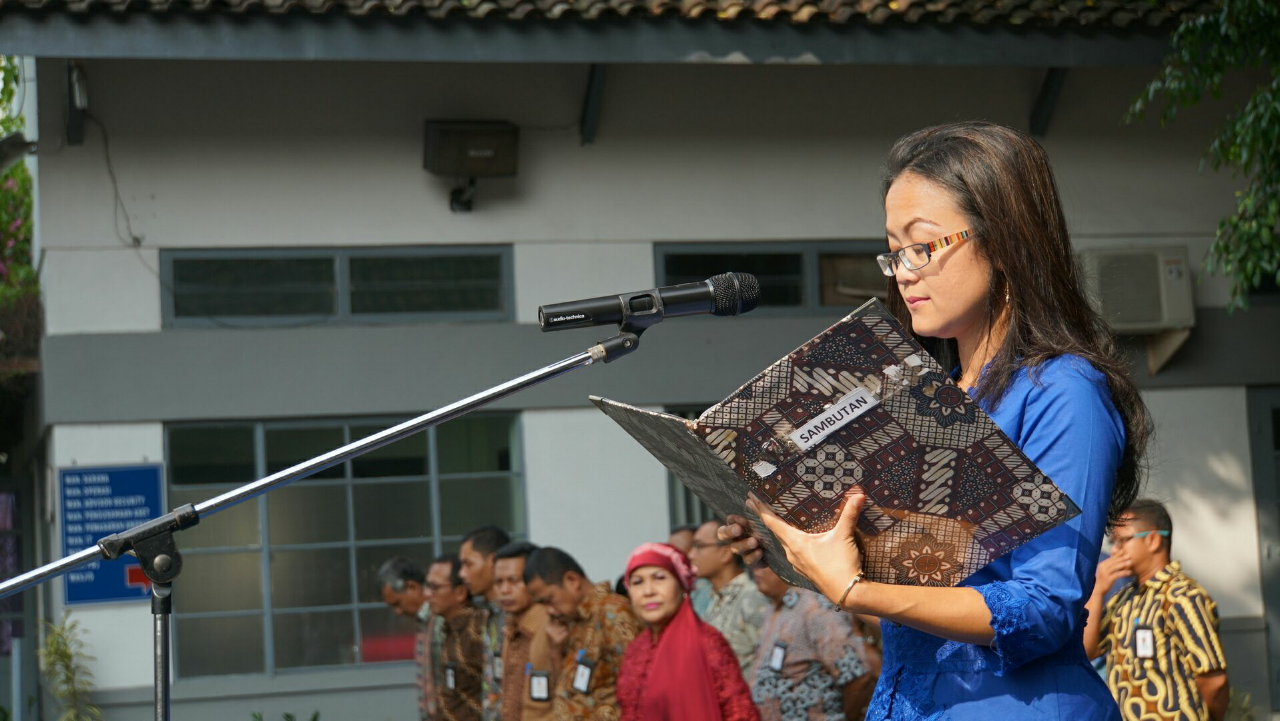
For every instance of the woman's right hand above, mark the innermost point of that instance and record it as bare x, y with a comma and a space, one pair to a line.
737, 533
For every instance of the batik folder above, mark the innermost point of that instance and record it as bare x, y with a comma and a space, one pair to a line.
862, 404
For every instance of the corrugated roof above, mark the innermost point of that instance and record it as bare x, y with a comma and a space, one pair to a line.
1066, 14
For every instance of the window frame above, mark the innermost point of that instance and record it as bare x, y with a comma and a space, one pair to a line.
811, 271
266, 611
342, 314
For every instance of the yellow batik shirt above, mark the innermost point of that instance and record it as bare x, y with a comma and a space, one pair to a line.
1158, 636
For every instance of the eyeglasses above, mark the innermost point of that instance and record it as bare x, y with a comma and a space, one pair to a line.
917, 256
1116, 542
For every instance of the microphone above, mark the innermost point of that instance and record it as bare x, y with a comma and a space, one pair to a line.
724, 294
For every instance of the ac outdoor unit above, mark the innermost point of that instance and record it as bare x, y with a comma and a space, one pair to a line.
1140, 290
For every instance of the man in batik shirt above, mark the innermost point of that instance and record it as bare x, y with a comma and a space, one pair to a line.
588, 632
476, 554
813, 663
737, 608
1160, 633
459, 689
526, 656
403, 587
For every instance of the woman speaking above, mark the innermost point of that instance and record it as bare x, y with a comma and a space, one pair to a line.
985, 279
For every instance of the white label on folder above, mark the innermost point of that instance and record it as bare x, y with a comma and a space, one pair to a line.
838, 415
764, 469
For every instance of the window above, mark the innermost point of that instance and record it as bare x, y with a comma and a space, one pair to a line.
794, 276
366, 285
685, 507
287, 580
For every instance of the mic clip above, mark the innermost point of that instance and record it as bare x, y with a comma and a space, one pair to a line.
640, 311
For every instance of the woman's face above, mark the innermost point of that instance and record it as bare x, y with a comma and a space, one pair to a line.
947, 297
655, 595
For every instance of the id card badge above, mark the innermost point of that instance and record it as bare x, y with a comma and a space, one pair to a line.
778, 656
497, 669
1144, 642
582, 673
539, 686
451, 676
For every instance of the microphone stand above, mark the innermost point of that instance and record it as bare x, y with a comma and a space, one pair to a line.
156, 549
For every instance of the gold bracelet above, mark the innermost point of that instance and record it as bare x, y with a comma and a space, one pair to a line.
857, 577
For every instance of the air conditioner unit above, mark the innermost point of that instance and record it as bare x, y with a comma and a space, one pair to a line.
1140, 290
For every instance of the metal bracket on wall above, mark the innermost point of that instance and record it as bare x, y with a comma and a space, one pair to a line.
1046, 101
589, 119
1162, 346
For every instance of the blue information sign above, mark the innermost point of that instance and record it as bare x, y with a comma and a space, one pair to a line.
98, 502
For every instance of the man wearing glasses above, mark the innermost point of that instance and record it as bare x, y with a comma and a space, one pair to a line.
737, 608
1159, 633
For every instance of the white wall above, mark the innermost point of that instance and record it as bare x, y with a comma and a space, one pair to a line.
592, 489
118, 634
242, 154
1200, 469
553, 272
101, 290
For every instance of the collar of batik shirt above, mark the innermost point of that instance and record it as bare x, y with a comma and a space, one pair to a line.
424, 613
529, 622
1163, 575
595, 597
791, 598
734, 588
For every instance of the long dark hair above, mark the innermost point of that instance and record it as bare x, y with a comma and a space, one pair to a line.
1003, 182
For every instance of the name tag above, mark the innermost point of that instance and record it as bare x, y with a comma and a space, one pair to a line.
497, 669
450, 676
582, 676
1144, 642
539, 686
778, 656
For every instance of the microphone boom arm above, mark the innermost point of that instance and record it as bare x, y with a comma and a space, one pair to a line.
153, 542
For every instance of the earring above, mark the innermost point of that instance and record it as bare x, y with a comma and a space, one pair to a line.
1006, 295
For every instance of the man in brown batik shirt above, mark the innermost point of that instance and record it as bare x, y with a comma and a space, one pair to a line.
588, 632
459, 691
526, 655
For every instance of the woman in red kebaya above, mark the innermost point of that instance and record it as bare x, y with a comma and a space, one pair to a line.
682, 668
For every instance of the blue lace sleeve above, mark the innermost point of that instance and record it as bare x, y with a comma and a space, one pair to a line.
1016, 640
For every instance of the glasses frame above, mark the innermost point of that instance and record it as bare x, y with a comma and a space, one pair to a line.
1118, 542
889, 261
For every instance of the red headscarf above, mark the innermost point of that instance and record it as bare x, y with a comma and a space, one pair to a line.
680, 683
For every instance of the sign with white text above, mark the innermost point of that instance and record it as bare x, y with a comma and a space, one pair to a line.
97, 502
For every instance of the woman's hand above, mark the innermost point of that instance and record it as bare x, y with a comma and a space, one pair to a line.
828, 559
737, 533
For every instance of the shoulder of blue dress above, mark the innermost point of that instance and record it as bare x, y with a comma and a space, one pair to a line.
1067, 368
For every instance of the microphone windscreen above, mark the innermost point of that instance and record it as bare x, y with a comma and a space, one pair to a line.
735, 293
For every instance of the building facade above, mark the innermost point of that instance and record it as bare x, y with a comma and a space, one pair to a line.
254, 268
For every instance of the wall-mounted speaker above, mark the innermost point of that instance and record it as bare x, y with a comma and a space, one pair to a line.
471, 148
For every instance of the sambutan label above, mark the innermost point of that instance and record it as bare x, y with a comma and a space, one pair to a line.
835, 417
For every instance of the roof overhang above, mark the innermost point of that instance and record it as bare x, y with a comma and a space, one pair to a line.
612, 39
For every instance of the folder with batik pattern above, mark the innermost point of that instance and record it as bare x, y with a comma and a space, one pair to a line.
862, 404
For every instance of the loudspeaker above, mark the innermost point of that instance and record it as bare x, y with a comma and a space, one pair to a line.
471, 148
